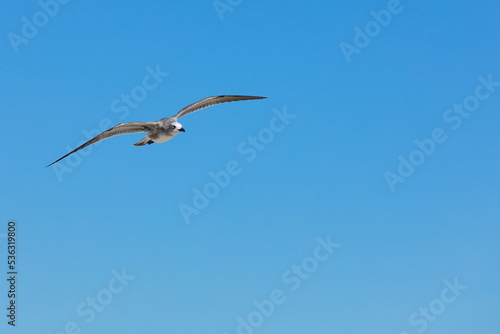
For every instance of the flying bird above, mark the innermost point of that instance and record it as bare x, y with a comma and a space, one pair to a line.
162, 130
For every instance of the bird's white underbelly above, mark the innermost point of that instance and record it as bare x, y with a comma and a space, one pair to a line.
162, 138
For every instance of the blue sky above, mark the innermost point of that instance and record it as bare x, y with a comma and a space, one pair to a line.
360, 197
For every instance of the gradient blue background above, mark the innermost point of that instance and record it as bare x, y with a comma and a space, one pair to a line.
322, 175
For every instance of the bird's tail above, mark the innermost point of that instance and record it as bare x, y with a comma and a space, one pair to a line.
144, 141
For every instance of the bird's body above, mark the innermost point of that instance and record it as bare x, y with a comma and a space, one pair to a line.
162, 130
160, 137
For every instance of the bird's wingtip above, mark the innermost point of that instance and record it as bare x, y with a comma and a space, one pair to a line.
257, 97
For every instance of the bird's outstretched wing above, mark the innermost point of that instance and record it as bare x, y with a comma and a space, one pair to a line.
213, 100
120, 129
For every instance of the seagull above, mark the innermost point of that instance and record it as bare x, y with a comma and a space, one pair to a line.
162, 130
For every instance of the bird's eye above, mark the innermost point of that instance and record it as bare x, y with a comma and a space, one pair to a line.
172, 126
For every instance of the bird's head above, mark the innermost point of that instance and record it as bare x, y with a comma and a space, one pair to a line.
176, 127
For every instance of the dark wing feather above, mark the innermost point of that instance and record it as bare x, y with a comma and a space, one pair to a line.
213, 100
120, 129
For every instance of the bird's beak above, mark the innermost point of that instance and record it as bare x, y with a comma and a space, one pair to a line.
182, 130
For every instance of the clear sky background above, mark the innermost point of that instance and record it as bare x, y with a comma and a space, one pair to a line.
356, 106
